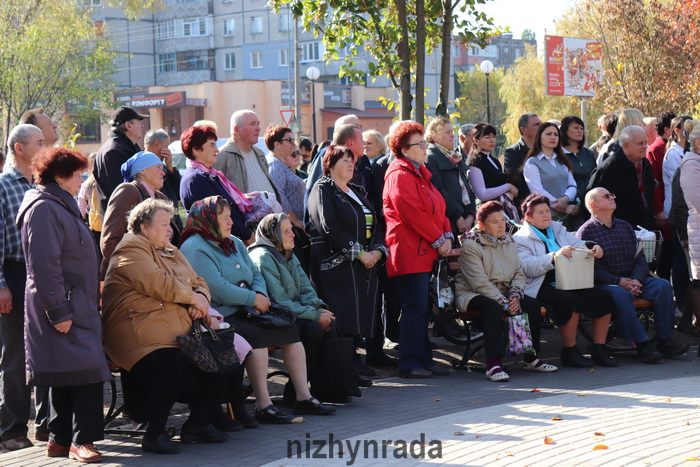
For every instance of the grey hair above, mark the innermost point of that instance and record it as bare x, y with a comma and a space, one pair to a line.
19, 134
119, 129
627, 133
377, 137
592, 196
155, 135
525, 118
349, 119
344, 133
238, 115
144, 213
466, 128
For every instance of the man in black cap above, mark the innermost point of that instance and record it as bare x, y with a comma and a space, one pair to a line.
127, 131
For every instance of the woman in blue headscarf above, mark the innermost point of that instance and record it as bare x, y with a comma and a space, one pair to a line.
143, 176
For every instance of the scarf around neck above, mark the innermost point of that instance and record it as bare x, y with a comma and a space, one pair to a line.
454, 154
548, 239
244, 205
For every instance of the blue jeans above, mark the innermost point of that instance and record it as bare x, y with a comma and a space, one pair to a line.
658, 291
414, 346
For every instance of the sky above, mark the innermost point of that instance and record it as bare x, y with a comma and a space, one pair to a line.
537, 15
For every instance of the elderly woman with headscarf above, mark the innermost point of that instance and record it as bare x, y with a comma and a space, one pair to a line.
143, 177
288, 285
238, 287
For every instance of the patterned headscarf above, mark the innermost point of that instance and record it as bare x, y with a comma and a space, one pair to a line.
270, 230
202, 220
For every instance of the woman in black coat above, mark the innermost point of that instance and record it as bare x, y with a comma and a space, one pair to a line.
449, 171
347, 243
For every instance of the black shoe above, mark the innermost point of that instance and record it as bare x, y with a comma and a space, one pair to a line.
246, 419
439, 371
382, 359
570, 356
668, 348
202, 434
362, 369
646, 352
418, 373
161, 445
221, 422
289, 396
309, 407
272, 414
600, 356
363, 382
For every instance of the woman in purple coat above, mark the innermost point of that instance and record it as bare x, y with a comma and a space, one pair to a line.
63, 329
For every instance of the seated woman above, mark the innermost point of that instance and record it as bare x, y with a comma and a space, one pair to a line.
539, 241
490, 280
202, 180
288, 285
235, 282
143, 177
486, 174
548, 172
151, 295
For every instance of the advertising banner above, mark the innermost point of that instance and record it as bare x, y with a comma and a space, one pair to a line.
572, 66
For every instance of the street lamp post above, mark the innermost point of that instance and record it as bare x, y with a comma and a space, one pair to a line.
486, 68
313, 73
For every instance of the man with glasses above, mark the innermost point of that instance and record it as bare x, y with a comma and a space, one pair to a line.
628, 174
623, 271
127, 132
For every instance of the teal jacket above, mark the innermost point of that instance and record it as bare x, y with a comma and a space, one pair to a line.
223, 273
287, 283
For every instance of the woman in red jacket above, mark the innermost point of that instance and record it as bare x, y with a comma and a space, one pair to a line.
417, 232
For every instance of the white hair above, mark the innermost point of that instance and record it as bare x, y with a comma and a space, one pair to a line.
238, 116
627, 133
19, 134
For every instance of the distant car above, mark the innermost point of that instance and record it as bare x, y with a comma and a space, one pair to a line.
182, 163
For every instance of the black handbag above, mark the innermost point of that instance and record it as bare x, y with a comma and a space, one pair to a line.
211, 351
336, 378
277, 316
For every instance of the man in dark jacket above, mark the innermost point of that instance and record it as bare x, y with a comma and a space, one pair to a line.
515, 155
628, 175
127, 132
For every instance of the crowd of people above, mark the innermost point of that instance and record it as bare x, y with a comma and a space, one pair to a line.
343, 236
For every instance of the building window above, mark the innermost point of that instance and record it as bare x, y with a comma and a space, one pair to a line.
167, 62
166, 30
92, 2
284, 57
229, 26
196, 60
192, 27
256, 59
506, 50
285, 22
88, 129
230, 61
310, 52
256, 25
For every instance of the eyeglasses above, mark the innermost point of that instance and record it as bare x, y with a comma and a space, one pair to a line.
296, 154
422, 144
287, 139
609, 196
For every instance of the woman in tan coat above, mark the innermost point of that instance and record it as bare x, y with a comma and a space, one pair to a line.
490, 280
151, 295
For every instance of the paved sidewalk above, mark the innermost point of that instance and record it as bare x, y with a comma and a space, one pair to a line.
647, 414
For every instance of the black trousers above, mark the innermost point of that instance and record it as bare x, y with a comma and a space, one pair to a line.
494, 327
76, 414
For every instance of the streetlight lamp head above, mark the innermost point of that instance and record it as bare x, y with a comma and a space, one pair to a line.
313, 73
486, 66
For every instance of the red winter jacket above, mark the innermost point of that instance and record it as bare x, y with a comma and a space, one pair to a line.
415, 217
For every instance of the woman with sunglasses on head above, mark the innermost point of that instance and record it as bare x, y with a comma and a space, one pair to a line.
417, 233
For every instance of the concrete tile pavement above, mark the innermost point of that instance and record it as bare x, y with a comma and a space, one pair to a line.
507, 417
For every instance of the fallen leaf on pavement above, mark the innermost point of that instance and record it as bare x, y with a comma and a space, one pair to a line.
598, 433
599, 446
557, 417
477, 436
582, 395
592, 370
535, 390
548, 441
692, 458
478, 402
437, 399
668, 399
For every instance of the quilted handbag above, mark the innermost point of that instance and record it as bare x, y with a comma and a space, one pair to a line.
277, 316
211, 351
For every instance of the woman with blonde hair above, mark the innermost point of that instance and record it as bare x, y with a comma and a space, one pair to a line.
626, 117
375, 146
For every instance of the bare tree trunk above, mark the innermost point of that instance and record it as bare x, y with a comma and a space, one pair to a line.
445, 58
405, 97
420, 61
